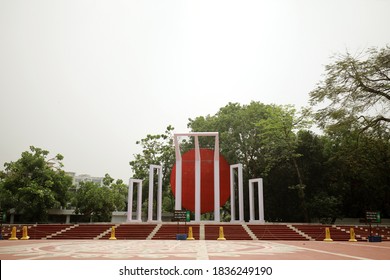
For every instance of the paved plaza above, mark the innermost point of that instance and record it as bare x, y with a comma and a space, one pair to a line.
190, 250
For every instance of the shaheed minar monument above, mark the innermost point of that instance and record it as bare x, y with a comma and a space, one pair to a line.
202, 181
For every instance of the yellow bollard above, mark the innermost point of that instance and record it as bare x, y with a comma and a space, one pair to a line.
13, 234
190, 235
327, 235
112, 234
352, 235
25, 235
221, 235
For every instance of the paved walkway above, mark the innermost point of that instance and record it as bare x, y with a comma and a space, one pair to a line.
190, 250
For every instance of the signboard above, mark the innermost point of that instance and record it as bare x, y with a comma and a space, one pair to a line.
373, 217
181, 216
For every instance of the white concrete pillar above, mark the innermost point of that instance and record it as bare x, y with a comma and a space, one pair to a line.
197, 180
133, 182
151, 193
259, 182
130, 201
240, 193
159, 196
261, 200
217, 213
178, 174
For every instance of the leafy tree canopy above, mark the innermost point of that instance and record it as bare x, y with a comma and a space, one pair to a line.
156, 149
356, 91
97, 202
313, 176
33, 184
259, 136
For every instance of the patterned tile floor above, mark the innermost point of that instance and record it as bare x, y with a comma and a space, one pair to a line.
190, 250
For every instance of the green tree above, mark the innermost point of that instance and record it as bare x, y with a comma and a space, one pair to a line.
358, 170
239, 138
95, 202
279, 142
238, 134
262, 138
119, 191
355, 89
343, 172
356, 94
156, 150
325, 207
324, 202
33, 184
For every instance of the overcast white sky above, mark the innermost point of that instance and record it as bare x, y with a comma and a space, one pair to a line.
88, 78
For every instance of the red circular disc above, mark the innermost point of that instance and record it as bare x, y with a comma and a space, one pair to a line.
206, 180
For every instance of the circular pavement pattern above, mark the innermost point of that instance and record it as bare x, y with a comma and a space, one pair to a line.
188, 250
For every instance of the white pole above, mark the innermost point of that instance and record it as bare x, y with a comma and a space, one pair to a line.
240, 193
150, 200
261, 200
159, 195
130, 202
232, 195
197, 180
178, 174
216, 181
251, 201
139, 201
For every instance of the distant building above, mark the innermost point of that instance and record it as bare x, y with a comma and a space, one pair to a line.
84, 178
